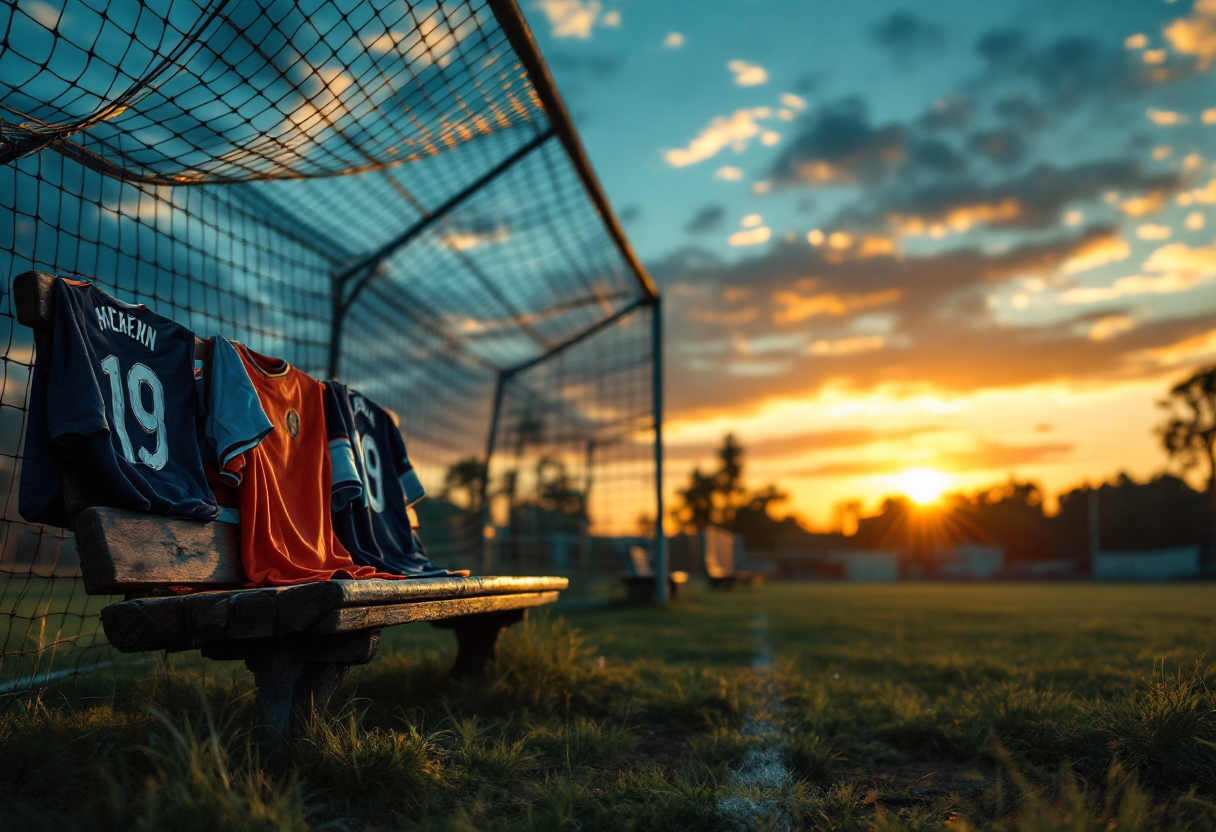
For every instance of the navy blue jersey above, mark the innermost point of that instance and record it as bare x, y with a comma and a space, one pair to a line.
114, 393
375, 527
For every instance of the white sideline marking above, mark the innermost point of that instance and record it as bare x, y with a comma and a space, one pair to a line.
760, 778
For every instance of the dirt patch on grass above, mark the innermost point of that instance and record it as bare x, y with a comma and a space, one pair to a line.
904, 785
663, 749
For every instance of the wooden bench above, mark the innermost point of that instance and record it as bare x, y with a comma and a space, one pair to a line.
183, 586
718, 558
639, 580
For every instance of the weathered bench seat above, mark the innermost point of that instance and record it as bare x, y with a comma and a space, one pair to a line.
190, 577
182, 581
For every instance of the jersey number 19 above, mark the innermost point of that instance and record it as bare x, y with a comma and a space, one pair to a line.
153, 422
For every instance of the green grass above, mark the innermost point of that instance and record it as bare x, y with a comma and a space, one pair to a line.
827, 707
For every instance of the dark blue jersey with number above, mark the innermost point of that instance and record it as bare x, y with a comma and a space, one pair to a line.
114, 395
375, 527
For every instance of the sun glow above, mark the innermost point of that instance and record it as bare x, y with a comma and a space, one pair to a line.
923, 485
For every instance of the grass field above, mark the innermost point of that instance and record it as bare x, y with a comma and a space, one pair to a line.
789, 707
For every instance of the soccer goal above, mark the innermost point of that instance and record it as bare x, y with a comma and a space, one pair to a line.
389, 193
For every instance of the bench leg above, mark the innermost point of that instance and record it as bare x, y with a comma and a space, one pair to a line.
639, 590
316, 686
477, 639
275, 673
295, 681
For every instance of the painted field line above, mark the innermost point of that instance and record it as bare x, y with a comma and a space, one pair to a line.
760, 781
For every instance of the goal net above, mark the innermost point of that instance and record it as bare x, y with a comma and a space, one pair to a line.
386, 192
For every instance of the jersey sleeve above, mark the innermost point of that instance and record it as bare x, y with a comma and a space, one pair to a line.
236, 421
75, 403
346, 485
410, 483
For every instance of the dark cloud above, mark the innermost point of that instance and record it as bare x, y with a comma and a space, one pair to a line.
1074, 70
1032, 199
906, 36
837, 143
934, 156
948, 114
914, 177
938, 332
807, 84
1001, 45
707, 219
1017, 109
1005, 146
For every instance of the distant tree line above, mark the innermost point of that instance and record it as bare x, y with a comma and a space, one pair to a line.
1161, 512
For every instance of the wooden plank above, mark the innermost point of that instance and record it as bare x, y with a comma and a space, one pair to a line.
388, 615
34, 298
300, 606
181, 622
207, 616
150, 624
122, 551
253, 613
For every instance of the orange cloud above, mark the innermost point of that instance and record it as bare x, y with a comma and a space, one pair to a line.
1133, 285
847, 346
934, 309
750, 237
1178, 258
1165, 118
960, 219
1097, 252
1196, 35
800, 307
783, 447
987, 456
708, 316
732, 131
1112, 325
1139, 206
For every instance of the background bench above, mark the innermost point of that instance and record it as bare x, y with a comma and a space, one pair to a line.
639, 579
718, 558
183, 587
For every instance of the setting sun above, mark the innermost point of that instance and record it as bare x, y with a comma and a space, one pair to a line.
923, 485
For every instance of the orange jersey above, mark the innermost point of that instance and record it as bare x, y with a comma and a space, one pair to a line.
286, 532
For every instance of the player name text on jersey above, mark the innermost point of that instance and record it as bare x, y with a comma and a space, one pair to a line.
114, 320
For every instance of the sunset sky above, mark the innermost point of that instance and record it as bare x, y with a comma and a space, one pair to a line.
976, 238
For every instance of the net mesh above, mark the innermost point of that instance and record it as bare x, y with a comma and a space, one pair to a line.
366, 187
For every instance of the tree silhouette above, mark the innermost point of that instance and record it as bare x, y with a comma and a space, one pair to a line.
466, 478
721, 499
555, 492
1189, 433
699, 509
